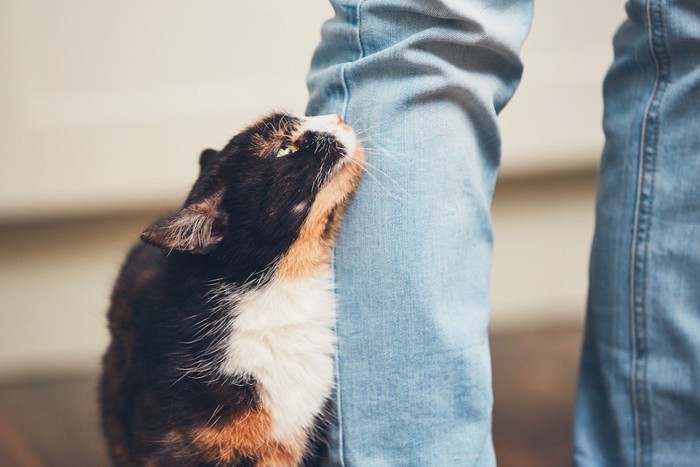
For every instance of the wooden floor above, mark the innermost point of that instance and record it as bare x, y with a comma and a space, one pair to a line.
534, 379
52, 421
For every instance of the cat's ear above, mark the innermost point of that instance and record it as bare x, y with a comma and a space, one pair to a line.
196, 228
207, 156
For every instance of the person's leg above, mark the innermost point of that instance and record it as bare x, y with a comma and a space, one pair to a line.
422, 80
639, 391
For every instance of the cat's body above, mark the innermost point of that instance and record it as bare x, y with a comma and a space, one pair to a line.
222, 342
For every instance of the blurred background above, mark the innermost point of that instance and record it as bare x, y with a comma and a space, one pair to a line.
104, 108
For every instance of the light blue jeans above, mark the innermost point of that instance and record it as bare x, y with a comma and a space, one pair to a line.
639, 389
422, 81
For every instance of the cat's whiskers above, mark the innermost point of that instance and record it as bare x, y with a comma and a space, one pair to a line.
369, 132
368, 140
372, 167
371, 147
367, 166
380, 152
360, 123
375, 129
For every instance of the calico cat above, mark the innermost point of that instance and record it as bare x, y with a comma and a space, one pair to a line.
221, 322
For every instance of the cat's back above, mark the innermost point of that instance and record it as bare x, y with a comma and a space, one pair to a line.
142, 267
132, 291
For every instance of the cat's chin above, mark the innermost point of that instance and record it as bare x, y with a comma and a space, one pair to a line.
346, 174
346, 136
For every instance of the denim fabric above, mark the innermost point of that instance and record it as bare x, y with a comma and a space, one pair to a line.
638, 402
422, 82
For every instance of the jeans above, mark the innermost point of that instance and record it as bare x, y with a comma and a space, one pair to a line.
422, 82
638, 399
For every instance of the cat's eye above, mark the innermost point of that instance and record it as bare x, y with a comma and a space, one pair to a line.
286, 150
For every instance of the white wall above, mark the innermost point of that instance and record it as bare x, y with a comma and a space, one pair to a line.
105, 105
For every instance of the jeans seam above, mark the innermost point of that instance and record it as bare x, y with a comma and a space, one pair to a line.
640, 240
360, 45
346, 91
344, 68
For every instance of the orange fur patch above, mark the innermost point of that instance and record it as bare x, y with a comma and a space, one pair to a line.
267, 145
312, 248
264, 146
248, 435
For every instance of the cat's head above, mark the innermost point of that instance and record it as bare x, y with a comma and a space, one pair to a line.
272, 184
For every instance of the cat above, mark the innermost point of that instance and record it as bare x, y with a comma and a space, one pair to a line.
221, 320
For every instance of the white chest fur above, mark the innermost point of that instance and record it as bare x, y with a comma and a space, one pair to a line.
282, 335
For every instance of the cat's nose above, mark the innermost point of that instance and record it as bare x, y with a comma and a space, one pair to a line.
340, 120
